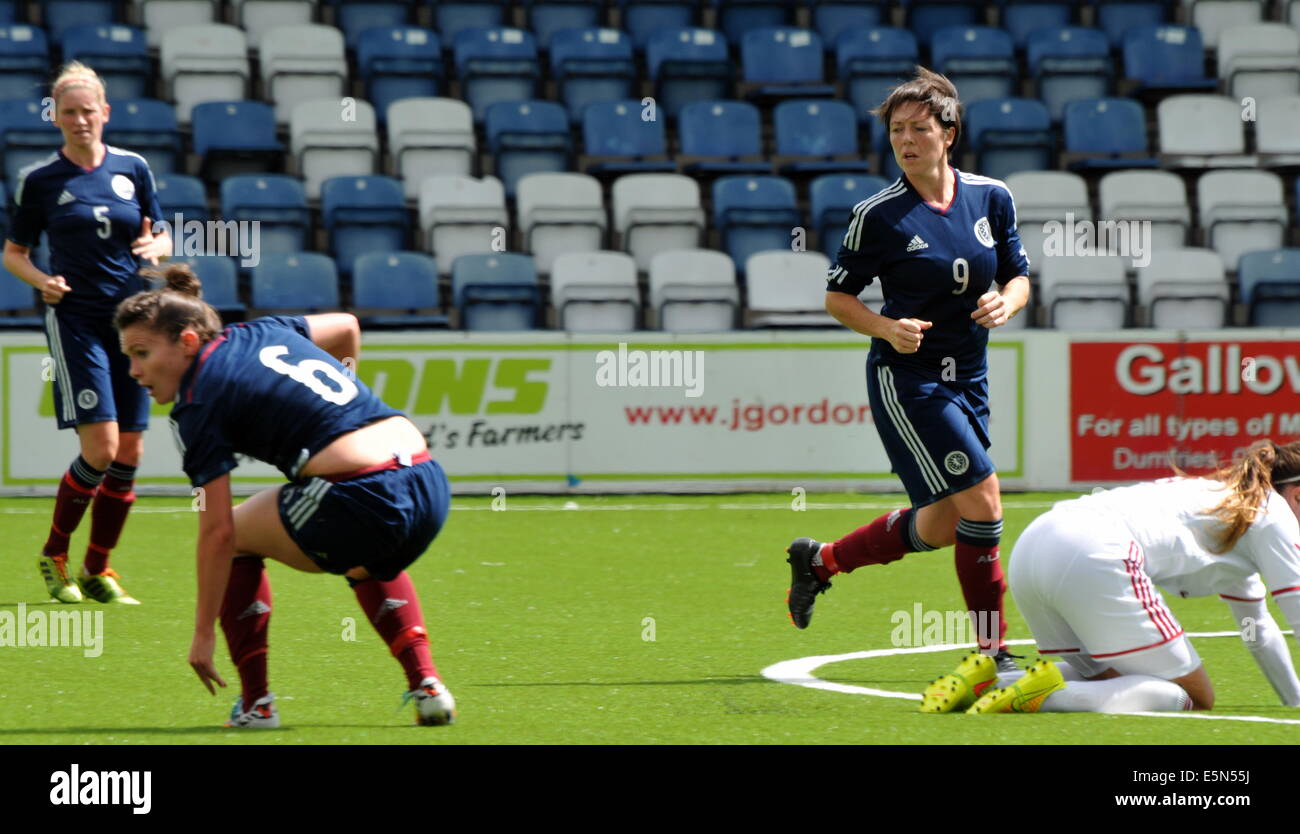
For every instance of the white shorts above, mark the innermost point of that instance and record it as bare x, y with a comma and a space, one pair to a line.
1078, 579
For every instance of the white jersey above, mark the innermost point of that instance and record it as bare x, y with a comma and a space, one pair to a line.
1171, 521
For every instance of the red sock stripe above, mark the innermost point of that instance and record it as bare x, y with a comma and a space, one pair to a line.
403, 641
71, 482
129, 495
828, 558
249, 655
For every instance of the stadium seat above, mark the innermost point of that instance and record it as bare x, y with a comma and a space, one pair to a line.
1158, 197
1270, 287
462, 216
617, 140
694, 291
832, 18
1067, 64
787, 289
397, 290
147, 127
558, 213
451, 17
278, 201
1277, 132
235, 137
328, 141
816, 137
1162, 60
591, 65
496, 64
873, 61
1241, 211
302, 63
1212, 17
595, 292
526, 137
687, 65
1106, 134
1117, 17
204, 63
980, 60
754, 214
1084, 292
925, 17
58, 16
183, 195
25, 137
398, 62
120, 54
295, 283
1043, 196
17, 304
496, 292
354, 18
362, 215
258, 16
220, 279
1260, 61
738, 17
24, 61
1009, 135
547, 18
1202, 132
721, 137
158, 17
430, 136
1027, 21
656, 213
643, 18
1184, 289
832, 198
782, 62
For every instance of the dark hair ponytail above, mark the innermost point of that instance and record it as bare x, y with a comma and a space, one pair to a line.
176, 307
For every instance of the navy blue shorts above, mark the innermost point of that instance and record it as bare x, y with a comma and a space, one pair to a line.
381, 521
92, 377
935, 433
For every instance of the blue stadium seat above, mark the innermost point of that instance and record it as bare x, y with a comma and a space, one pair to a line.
183, 195
816, 137
496, 292
24, 62
1069, 63
58, 16
295, 282
17, 304
1165, 59
880, 146
832, 18
1106, 134
783, 62
688, 65
754, 214
8, 11
1009, 135
617, 140
527, 137
451, 17
736, 17
872, 61
278, 201
362, 215
355, 17
405, 283
591, 65
220, 279
926, 17
1023, 18
832, 198
235, 137
980, 60
1270, 286
25, 137
547, 17
120, 54
721, 137
1116, 17
147, 127
642, 18
496, 64
398, 62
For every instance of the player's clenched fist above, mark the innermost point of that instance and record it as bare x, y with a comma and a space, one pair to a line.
53, 290
907, 334
992, 311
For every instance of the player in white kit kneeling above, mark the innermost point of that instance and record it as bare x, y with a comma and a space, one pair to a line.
1084, 574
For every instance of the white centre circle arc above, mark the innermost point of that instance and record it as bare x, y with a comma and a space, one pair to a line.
799, 672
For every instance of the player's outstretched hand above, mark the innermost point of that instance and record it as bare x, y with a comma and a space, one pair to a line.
907, 334
53, 290
150, 248
992, 311
201, 660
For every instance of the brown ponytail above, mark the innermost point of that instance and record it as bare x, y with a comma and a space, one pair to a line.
1249, 481
176, 307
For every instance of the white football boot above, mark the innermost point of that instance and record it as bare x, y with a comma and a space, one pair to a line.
263, 714
434, 705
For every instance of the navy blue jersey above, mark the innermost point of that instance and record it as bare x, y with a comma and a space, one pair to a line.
91, 218
262, 389
934, 265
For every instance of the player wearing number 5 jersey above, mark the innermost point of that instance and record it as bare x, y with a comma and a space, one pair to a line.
944, 245
364, 499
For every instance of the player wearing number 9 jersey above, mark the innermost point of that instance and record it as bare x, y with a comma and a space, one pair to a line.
939, 240
364, 499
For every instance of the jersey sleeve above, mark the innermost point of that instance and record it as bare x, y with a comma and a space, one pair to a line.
858, 261
1013, 261
1274, 544
27, 219
296, 323
206, 454
148, 193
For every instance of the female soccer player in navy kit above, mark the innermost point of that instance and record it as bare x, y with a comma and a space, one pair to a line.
938, 239
365, 499
97, 204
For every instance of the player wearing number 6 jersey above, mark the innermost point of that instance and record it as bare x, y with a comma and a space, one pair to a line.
944, 245
364, 499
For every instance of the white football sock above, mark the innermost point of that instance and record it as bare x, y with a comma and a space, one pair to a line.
1067, 671
1127, 693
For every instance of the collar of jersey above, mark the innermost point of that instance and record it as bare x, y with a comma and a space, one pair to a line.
186, 388
956, 184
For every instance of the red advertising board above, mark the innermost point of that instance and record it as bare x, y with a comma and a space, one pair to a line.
1135, 407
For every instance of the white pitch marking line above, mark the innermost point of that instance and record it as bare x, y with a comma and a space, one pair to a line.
548, 508
799, 672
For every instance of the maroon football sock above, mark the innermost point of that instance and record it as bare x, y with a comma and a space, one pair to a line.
394, 610
882, 541
108, 515
245, 620
979, 570
76, 491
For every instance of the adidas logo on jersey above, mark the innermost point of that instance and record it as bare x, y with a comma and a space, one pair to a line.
917, 243
66, 197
